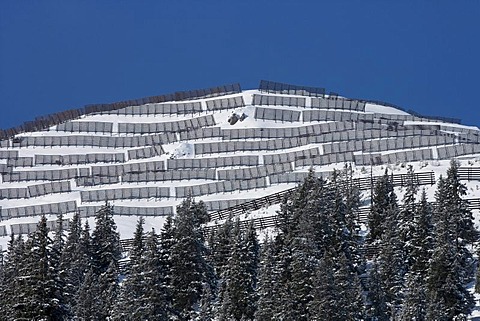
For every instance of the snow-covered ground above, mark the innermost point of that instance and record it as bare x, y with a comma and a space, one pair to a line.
185, 149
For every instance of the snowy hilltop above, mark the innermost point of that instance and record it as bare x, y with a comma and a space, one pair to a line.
379, 210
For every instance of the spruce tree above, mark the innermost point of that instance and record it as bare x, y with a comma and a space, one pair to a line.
289, 214
336, 286
377, 296
348, 291
451, 262
86, 246
391, 259
166, 242
138, 246
421, 247
143, 293
348, 198
189, 269
108, 291
129, 301
156, 301
345, 226
104, 248
207, 310
300, 282
324, 306
406, 219
268, 282
305, 232
87, 305
73, 262
9, 281
105, 242
381, 200
252, 259
59, 274
239, 278
458, 207
221, 243
450, 199
38, 292
477, 276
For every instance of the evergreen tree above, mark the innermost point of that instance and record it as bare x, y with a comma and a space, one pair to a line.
414, 307
458, 207
391, 260
252, 259
13, 260
104, 248
105, 242
129, 301
207, 310
450, 199
446, 292
143, 293
239, 278
377, 296
345, 226
477, 278
289, 214
318, 218
86, 245
317, 228
156, 301
189, 269
73, 262
108, 290
324, 305
138, 246
87, 305
37, 290
406, 217
299, 285
58, 273
381, 200
422, 242
348, 290
166, 243
336, 286
349, 194
221, 245
306, 231
268, 282
450, 265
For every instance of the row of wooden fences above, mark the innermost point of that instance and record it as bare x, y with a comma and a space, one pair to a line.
362, 214
249, 206
258, 223
469, 173
473, 203
364, 211
364, 183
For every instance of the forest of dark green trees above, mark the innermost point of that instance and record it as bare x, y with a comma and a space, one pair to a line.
413, 262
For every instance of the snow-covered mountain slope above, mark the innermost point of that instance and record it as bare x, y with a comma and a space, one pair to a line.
223, 148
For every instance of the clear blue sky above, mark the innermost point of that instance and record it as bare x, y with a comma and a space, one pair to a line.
55, 55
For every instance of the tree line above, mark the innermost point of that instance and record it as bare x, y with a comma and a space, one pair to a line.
312, 266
